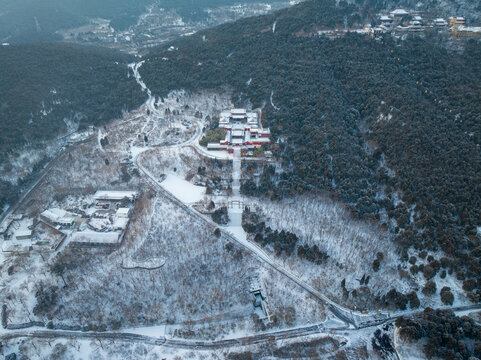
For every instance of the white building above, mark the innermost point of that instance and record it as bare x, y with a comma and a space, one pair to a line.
25, 234
386, 21
123, 212
456, 21
95, 238
115, 195
399, 13
56, 216
440, 22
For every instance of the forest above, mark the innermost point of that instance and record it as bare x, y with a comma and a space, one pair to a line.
43, 84
389, 127
445, 335
44, 87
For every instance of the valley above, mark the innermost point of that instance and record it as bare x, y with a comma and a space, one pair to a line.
159, 25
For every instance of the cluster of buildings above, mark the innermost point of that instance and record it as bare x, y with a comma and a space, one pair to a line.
243, 130
105, 222
412, 21
99, 221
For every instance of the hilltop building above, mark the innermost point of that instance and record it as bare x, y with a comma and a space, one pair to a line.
243, 129
457, 21
440, 22
57, 216
386, 21
112, 195
399, 13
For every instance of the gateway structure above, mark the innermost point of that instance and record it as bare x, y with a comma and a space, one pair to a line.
243, 130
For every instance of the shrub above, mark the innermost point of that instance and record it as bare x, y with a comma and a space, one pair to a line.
413, 300
447, 296
430, 288
221, 216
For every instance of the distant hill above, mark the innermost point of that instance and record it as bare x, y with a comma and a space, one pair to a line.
38, 20
44, 87
390, 127
33, 20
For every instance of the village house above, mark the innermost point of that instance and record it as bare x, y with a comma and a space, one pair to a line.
440, 22
113, 195
457, 21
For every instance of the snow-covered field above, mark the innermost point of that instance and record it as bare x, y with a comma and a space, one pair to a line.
182, 189
350, 244
201, 277
184, 164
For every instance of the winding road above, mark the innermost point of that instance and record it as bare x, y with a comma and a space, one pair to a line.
297, 332
356, 319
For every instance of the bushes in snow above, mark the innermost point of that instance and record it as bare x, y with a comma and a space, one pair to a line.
282, 241
430, 288
46, 299
445, 335
447, 296
221, 216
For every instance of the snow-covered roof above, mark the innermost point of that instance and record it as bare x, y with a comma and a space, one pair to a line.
95, 237
114, 195
11, 246
58, 216
237, 132
121, 223
124, 212
399, 12
53, 214
385, 18
216, 146
23, 234
66, 220
238, 117
238, 111
475, 29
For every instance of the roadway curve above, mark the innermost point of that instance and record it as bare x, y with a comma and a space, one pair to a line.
356, 319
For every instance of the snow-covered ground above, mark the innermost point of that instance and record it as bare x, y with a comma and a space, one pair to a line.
182, 189
351, 245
